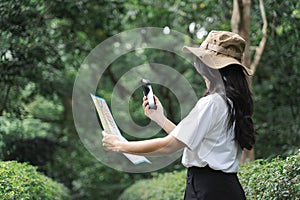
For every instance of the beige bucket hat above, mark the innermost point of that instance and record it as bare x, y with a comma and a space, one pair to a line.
220, 49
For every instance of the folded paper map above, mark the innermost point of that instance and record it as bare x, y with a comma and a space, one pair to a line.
111, 127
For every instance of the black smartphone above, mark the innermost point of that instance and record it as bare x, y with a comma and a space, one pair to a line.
148, 92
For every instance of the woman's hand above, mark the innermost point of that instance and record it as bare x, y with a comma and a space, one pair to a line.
111, 142
155, 115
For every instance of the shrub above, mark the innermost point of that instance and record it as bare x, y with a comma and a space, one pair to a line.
261, 179
22, 181
277, 179
167, 186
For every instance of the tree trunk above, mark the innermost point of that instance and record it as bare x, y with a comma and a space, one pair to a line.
240, 24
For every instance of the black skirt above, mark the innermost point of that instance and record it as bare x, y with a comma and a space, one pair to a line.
207, 184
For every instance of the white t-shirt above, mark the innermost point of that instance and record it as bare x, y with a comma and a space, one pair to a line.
204, 131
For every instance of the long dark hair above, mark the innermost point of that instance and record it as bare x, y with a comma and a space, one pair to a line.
231, 83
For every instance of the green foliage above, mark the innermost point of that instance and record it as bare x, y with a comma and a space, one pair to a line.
33, 137
86, 177
166, 186
275, 179
43, 44
22, 181
276, 83
263, 179
13, 130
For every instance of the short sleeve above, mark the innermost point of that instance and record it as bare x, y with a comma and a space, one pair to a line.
193, 128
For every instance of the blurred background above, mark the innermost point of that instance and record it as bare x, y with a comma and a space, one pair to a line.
43, 44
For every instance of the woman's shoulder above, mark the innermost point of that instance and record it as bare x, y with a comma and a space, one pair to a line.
215, 101
214, 98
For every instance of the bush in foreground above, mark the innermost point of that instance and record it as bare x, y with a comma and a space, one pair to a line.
277, 179
22, 181
262, 179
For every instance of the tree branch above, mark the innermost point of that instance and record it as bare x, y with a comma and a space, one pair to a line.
261, 47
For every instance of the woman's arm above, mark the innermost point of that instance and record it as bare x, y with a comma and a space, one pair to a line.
168, 126
152, 147
158, 115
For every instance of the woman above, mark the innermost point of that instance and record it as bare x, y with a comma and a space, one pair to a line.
216, 130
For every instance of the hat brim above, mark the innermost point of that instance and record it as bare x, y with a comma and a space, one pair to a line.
214, 60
